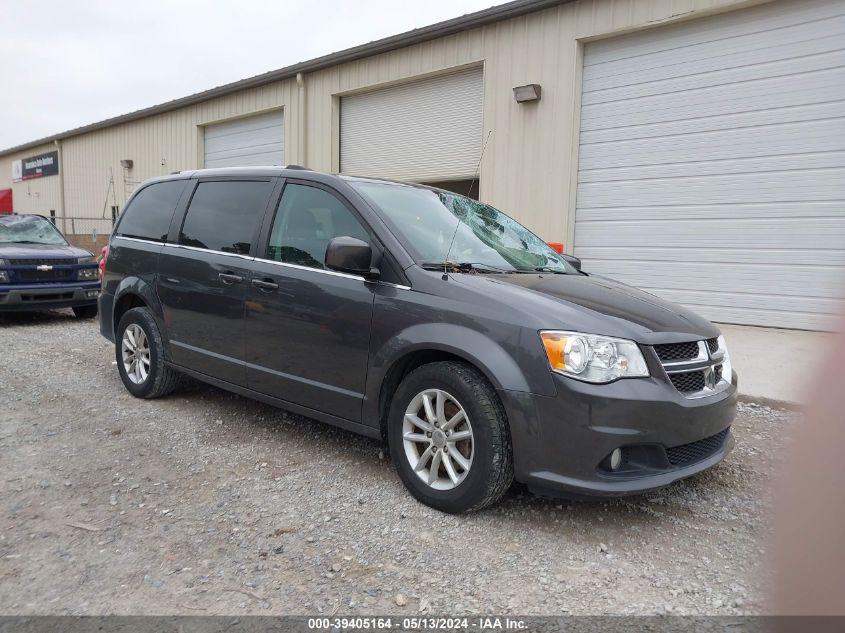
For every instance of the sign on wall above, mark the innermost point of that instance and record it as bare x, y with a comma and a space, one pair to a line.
36, 166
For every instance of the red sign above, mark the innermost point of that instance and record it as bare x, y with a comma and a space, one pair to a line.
6, 201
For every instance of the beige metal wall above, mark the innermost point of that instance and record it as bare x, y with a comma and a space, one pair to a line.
529, 165
157, 145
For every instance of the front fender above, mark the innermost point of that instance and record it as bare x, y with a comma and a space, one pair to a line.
498, 363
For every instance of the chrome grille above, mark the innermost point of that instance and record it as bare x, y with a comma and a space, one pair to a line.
671, 352
688, 382
694, 367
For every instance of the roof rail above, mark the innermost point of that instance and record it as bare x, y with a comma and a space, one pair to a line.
297, 167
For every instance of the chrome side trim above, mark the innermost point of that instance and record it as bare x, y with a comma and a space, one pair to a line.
138, 239
323, 271
260, 259
208, 250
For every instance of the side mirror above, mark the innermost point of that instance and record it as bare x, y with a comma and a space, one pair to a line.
350, 255
572, 260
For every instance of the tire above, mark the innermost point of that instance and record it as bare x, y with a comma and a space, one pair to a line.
160, 379
490, 457
85, 312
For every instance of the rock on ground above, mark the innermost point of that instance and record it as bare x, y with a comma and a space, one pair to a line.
208, 503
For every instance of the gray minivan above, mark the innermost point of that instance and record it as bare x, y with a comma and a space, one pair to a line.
419, 316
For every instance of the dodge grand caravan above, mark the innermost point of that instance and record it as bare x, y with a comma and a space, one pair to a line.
418, 316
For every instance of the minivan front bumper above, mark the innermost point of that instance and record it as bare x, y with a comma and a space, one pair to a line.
562, 443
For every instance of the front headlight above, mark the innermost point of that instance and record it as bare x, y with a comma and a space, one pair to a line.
4, 275
88, 273
593, 358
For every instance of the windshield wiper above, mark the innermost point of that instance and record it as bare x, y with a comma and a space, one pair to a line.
545, 269
465, 267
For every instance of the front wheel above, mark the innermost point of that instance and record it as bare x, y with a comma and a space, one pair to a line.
449, 438
139, 350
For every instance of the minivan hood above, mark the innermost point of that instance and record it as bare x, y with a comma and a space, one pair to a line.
598, 305
9, 250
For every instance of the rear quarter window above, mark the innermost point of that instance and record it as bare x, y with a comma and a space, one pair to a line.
224, 215
149, 214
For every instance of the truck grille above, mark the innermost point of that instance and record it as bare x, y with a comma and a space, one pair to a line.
688, 382
672, 352
44, 275
696, 451
66, 261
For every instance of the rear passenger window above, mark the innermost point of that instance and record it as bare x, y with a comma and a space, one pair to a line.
307, 218
149, 214
224, 215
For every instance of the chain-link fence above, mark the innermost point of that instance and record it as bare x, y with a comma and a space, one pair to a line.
88, 232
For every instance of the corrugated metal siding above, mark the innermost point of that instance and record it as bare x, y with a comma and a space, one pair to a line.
158, 145
532, 148
712, 163
254, 140
528, 166
425, 130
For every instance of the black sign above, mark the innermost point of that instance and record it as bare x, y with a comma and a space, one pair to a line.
41, 165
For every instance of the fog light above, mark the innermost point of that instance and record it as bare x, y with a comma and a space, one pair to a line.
91, 293
616, 459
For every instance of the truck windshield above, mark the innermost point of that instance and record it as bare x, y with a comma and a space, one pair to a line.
426, 221
28, 229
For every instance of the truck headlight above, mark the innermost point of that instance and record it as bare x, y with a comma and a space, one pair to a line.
592, 357
4, 275
88, 273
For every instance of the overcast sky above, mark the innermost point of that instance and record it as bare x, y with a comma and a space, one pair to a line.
65, 64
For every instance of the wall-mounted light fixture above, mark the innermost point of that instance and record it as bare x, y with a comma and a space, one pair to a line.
126, 163
524, 94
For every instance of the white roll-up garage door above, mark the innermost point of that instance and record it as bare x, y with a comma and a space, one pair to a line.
712, 163
425, 130
255, 140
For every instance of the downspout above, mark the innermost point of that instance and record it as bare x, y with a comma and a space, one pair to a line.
58, 145
301, 132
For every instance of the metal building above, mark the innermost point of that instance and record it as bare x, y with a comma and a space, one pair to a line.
693, 148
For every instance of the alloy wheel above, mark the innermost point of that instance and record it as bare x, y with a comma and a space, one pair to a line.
438, 440
135, 351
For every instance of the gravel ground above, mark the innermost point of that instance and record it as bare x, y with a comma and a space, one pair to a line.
208, 503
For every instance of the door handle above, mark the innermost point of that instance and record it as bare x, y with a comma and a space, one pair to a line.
265, 285
230, 278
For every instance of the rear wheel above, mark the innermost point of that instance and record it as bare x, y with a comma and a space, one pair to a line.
449, 438
85, 312
139, 350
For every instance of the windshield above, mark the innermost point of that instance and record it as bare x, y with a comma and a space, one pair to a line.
426, 221
28, 229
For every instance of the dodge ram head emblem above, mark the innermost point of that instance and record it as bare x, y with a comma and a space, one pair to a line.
43, 268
